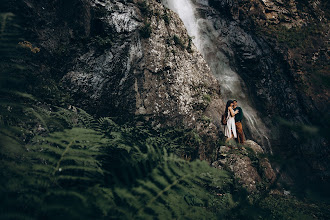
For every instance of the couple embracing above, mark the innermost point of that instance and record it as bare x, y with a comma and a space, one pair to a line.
234, 116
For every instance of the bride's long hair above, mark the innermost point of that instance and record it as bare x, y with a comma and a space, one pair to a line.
227, 105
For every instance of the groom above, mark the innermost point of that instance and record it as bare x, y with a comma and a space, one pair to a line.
238, 123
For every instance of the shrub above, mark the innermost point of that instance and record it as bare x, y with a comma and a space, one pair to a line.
178, 41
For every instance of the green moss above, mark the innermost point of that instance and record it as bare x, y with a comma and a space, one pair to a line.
279, 207
206, 119
177, 41
207, 98
293, 37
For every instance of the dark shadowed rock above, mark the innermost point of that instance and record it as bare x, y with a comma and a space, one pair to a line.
278, 48
128, 59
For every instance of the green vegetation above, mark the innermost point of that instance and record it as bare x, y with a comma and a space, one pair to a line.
182, 43
178, 42
90, 173
59, 162
275, 206
207, 98
206, 119
308, 49
293, 37
63, 163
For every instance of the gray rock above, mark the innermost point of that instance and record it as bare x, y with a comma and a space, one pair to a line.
254, 146
249, 173
152, 77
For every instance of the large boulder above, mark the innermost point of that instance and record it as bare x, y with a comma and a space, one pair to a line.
253, 171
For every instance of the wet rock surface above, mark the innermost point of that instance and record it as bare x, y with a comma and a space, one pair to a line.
261, 39
262, 67
280, 49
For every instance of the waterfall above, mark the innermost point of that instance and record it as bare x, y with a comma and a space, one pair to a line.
232, 86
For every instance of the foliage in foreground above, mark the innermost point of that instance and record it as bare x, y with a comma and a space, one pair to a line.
82, 173
105, 170
63, 163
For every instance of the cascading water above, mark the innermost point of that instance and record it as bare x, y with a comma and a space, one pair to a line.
232, 86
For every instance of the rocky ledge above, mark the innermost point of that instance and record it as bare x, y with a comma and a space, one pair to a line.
248, 164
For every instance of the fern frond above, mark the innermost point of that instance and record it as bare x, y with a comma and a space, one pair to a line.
82, 168
81, 160
44, 158
17, 216
87, 120
76, 178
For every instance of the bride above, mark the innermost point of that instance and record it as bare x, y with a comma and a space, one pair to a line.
230, 127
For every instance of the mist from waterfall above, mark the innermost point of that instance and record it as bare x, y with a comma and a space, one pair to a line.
205, 38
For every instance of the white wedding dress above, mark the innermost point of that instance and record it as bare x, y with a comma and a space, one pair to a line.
230, 127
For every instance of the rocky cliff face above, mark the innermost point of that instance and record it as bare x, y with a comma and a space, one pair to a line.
134, 58
127, 59
280, 50
272, 66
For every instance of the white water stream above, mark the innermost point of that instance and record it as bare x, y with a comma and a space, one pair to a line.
232, 86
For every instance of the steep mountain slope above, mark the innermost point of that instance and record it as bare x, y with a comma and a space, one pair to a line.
106, 106
120, 58
135, 58
281, 51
